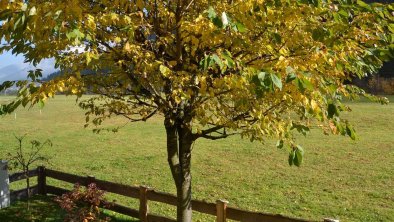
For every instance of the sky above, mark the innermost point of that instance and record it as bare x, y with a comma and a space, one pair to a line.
16, 62
8, 59
12, 67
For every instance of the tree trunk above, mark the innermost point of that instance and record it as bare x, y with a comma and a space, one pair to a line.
28, 187
179, 142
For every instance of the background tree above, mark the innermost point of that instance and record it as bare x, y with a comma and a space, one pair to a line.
212, 69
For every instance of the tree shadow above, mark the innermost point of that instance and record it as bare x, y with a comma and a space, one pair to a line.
45, 209
42, 208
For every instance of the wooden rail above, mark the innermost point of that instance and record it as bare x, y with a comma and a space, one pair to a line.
20, 176
144, 194
22, 193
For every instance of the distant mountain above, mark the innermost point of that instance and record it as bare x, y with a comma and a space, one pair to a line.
13, 72
52, 75
83, 72
18, 71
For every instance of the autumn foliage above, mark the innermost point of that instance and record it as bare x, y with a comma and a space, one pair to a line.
212, 69
83, 204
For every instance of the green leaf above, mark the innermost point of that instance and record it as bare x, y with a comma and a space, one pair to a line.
217, 22
279, 144
300, 128
315, 3
277, 38
350, 132
276, 80
307, 84
343, 13
218, 61
332, 110
290, 74
229, 60
41, 104
204, 63
363, 5
261, 76
211, 13
290, 77
303, 84
291, 157
319, 34
6, 84
299, 154
78, 33
214, 17
240, 27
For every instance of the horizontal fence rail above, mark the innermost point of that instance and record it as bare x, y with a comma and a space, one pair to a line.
20, 176
152, 195
22, 193
144, 194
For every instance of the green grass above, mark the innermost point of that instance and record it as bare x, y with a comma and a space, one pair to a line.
340, 178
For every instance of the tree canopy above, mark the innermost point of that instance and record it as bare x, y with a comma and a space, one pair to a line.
244, 65
258, 68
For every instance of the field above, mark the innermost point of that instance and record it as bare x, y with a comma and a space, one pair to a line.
340, 178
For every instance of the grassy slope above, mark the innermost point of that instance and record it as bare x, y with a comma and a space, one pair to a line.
340, 178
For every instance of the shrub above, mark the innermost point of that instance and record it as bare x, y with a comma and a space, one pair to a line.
83, 204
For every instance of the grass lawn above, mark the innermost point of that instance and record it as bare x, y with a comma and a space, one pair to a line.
340, 178
44, 208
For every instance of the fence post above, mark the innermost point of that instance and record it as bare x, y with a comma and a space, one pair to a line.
4, 185
221, 206
41, 180
143, 204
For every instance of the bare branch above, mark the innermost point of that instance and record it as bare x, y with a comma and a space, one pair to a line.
126, 115
221, 136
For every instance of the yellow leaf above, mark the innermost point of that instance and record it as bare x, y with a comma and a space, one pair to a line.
127, 47
164, 70
178, 99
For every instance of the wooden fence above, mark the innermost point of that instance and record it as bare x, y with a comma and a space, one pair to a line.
144, 194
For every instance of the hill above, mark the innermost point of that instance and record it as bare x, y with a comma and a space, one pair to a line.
13, 72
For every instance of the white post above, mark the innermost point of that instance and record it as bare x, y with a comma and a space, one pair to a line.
330, 220
4, 185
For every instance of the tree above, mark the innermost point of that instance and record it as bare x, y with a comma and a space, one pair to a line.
212, 69
23, 159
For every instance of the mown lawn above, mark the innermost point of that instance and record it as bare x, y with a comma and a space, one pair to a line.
340, 178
